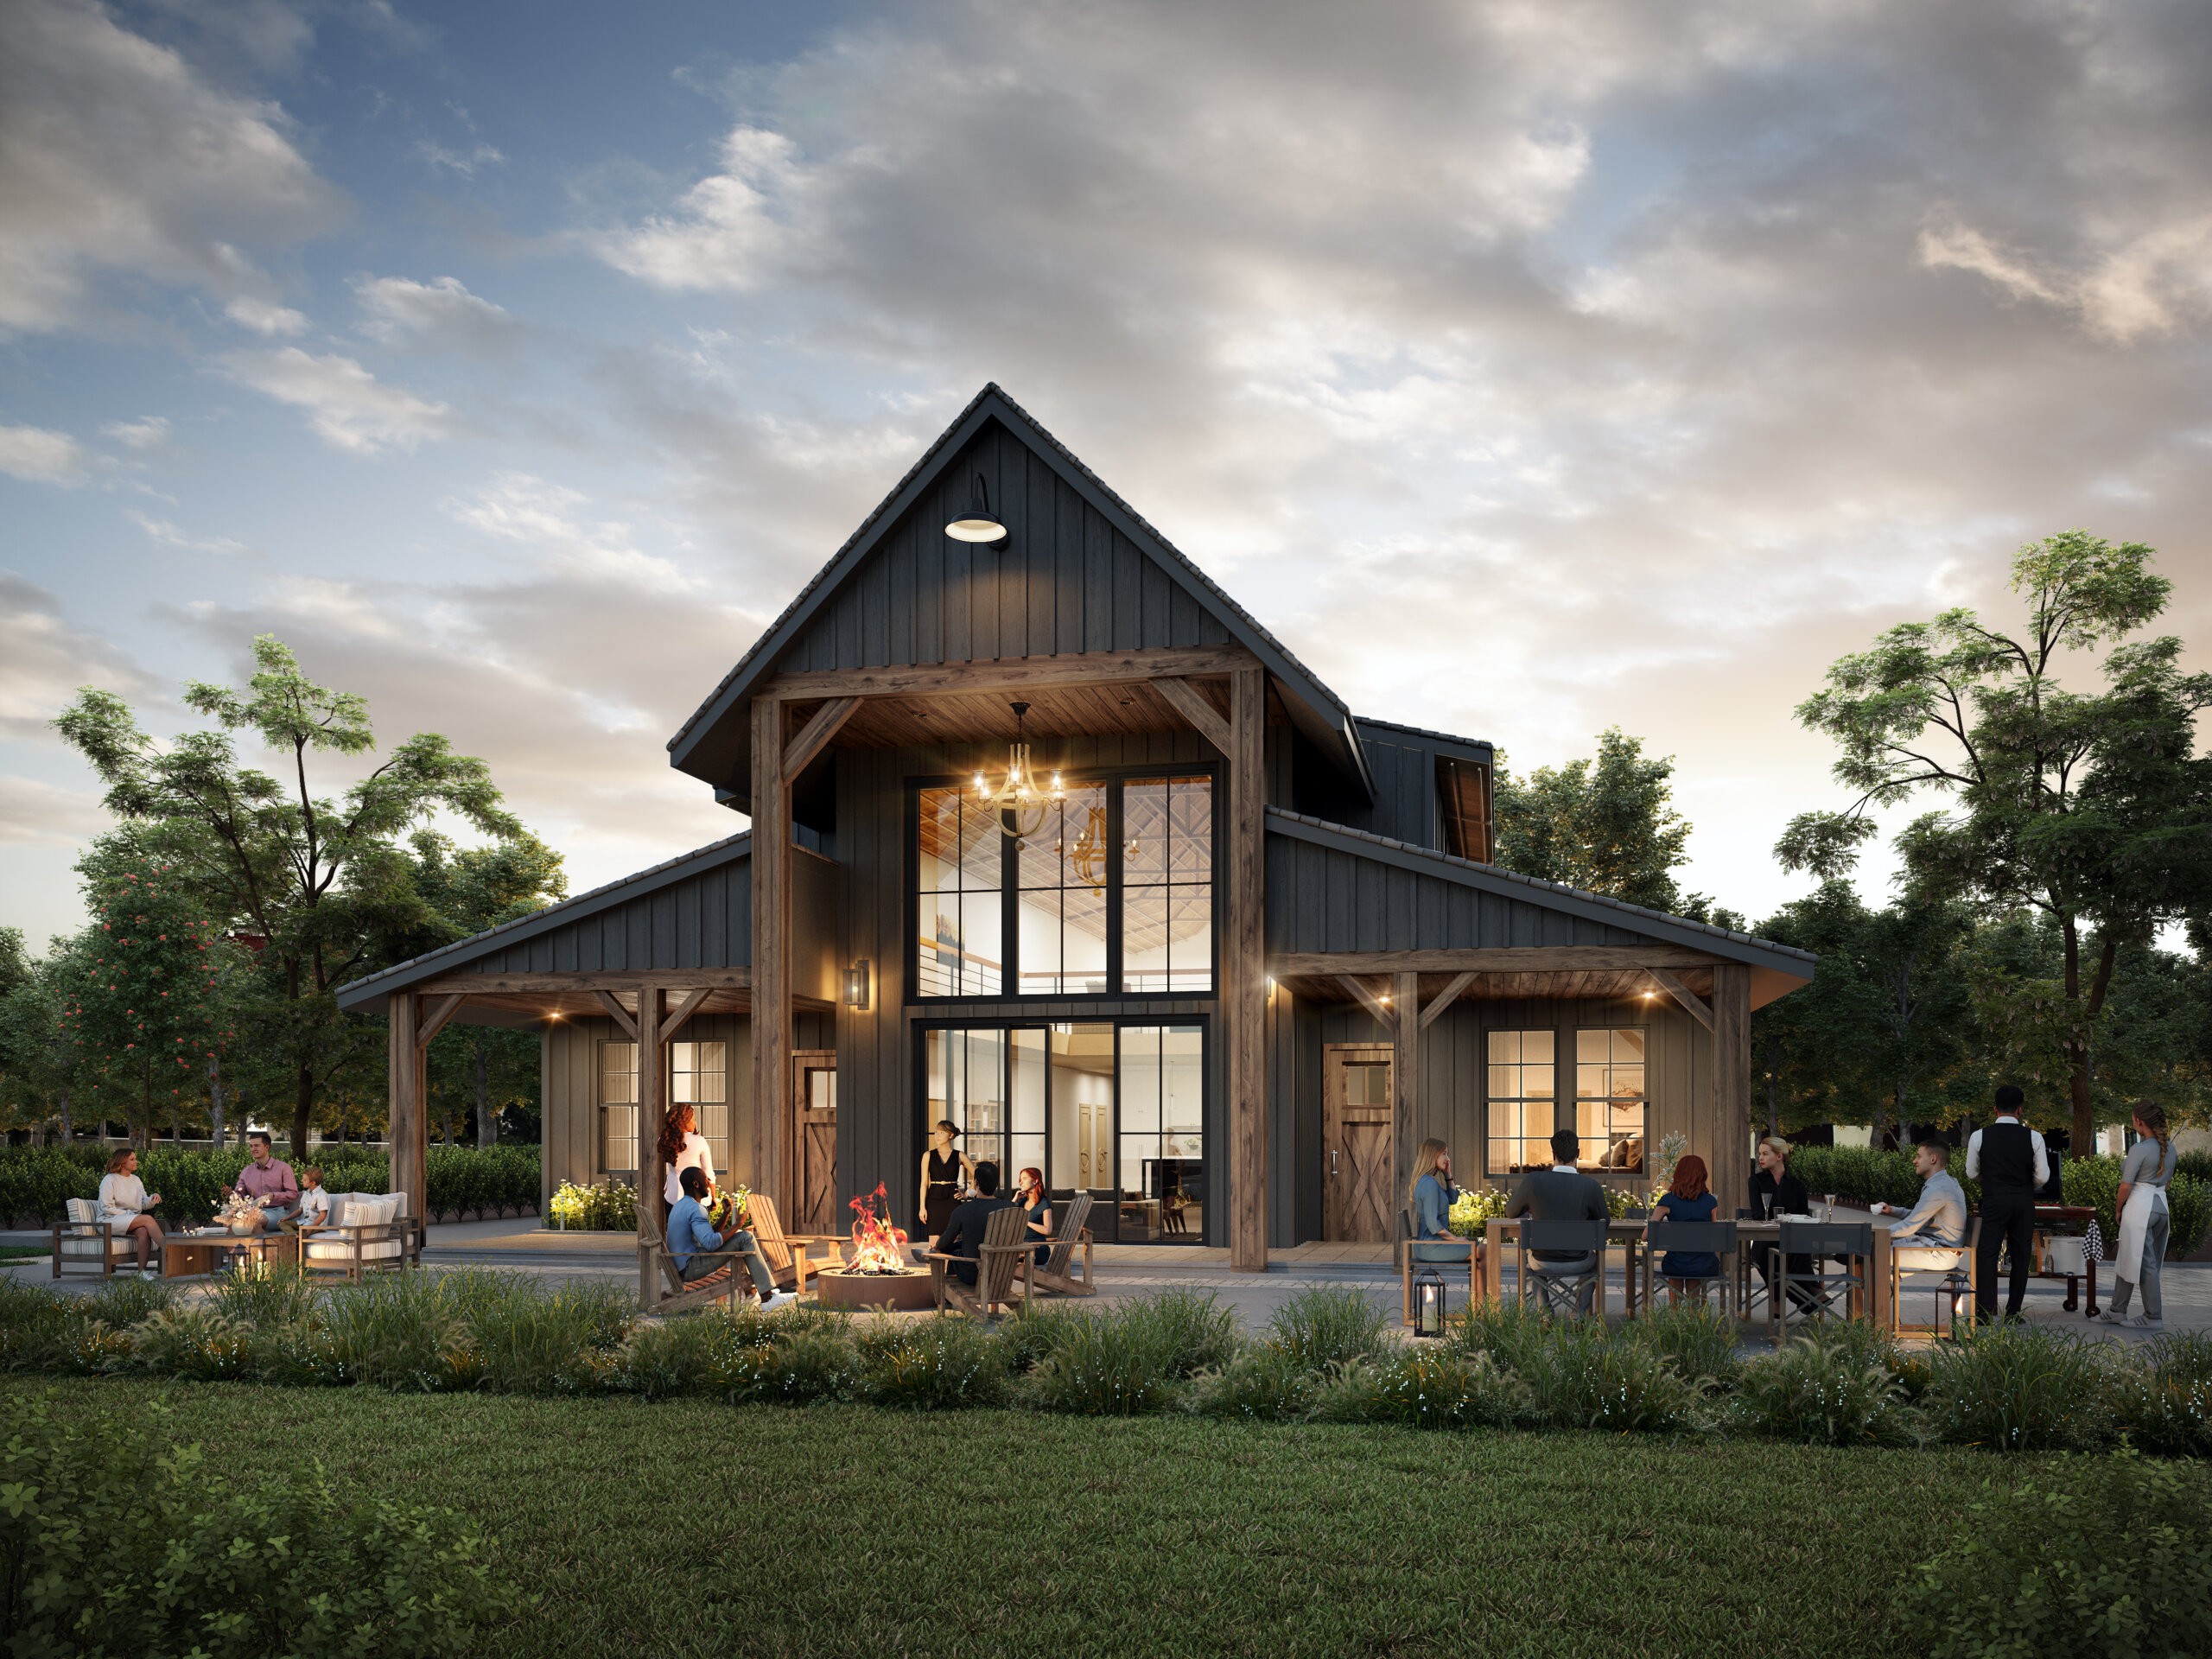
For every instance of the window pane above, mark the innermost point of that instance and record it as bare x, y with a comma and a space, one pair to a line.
1519, 1111
1144, 939
958, 949
1609, 1104
1190, 938
617, 1111
965, 1073
1082, 1108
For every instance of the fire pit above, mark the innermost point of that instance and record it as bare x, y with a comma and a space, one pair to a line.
878, 1275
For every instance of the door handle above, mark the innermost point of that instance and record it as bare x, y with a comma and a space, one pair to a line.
1332, 1161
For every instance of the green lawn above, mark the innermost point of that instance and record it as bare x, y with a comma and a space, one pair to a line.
687, 1528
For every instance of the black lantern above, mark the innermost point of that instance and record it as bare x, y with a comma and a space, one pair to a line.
856, 986
1429, 1303
978, 524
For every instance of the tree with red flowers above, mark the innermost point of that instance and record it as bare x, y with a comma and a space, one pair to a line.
143, 1006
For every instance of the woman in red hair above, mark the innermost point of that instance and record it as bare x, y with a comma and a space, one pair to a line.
1689, 1198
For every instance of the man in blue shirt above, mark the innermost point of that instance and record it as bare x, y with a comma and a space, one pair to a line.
691, 1237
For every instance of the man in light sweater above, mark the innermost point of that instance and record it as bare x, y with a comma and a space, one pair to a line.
1928, 1237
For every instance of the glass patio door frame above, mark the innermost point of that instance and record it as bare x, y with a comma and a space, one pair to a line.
1105, 1224
1010, 888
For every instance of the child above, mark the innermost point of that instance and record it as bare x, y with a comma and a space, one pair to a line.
315, 1203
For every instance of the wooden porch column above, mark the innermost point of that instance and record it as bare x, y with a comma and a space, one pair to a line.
1732, 1084
1244, 971
1405, 1078
405, 1134
772, 980
653, 1105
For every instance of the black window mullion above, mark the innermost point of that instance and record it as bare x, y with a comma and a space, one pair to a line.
1114, 985
1009, 910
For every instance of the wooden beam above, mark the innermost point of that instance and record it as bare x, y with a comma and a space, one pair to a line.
1245, 992
1516, 959
683, 1011
1011, 673
1732, 1084
1369, 1000
1691, 1001
669, 979
772, 977
436, 1020
1193, 704
1405, 1079
618, 1012
1444, 999
815, 735
652, 1106
407, 1133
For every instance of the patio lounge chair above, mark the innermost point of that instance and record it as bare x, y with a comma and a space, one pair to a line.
367, 1232
90, 1245
672, 1293
787, 1253
1056, 1275
1002, 1255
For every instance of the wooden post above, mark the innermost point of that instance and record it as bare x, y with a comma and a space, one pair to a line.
405, 1134
1732, 1085
1244, 971
771, 983
652, 1106
1405, 1079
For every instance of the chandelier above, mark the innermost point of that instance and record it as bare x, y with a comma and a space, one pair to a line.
1020, 800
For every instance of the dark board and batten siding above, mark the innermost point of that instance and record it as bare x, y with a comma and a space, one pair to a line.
1065, 581
701, 921
1331, 899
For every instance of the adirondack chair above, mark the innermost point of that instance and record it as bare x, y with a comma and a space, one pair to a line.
787, 1253
1002, 1254
672, 1294
1055, 1274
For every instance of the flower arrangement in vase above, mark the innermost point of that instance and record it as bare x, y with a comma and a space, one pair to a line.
240, 1215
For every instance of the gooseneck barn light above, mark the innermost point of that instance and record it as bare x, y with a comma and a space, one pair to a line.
978, 524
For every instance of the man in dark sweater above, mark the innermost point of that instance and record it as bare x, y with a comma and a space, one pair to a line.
2009, 1160
963, 1229
1560, 1193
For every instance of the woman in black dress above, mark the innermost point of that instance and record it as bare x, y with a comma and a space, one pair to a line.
944, 1173
1775, 1192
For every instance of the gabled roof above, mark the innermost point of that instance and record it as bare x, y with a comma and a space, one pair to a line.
1473, 747
1311, 702
1785, 959
362, 996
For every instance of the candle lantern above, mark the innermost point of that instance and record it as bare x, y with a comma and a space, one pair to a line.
1429, 1303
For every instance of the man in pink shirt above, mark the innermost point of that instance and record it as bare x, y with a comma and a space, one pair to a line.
269, 1182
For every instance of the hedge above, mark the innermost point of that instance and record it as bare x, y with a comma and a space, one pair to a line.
464, 1180
1862, 1174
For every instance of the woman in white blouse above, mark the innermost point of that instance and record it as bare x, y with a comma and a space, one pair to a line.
124, 1203
682, 1147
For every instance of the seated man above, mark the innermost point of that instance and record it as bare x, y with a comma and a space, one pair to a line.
269, 1182
964, 1230
1930, 1238
690, 1235
1561, 1193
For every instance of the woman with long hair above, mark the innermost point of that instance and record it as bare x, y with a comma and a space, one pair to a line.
1776, 1192
1430, 1196
1036, 1209
125, 1203
1687, 1197
682, 1147
2145, 1221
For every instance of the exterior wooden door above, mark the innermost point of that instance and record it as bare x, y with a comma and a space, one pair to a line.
814, 1086
1358, 1142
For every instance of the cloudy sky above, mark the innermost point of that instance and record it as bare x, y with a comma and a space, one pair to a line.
1527, 367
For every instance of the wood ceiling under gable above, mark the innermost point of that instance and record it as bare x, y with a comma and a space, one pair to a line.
925, 719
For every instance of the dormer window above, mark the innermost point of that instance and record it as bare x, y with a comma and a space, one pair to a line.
1111, 895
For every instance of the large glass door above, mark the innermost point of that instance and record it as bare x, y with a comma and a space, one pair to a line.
1118, 1112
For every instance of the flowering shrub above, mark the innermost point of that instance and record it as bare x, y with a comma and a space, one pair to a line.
609, 1207
1473, 1207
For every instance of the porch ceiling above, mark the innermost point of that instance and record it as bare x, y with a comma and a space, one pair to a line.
1106, 708
1617, 984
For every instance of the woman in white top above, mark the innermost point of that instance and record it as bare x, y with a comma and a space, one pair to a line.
682, 1147
124, 1203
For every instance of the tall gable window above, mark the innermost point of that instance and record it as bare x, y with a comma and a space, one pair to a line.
1111, 894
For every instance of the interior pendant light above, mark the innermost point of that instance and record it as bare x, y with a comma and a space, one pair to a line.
1022, 799
978, 524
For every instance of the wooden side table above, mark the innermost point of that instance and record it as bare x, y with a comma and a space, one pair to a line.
191, 1255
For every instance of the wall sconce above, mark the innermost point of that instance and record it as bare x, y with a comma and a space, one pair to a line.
856, 986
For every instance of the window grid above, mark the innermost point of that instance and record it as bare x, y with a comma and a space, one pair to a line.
1609, 1098
1520, 1091
618, 1108
700, 1078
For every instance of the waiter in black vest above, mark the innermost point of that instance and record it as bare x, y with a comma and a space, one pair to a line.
2009, 1160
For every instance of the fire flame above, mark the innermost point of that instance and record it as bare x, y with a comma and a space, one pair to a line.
878, 1247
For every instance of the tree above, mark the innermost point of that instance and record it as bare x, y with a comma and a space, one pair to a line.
140, 984
1605, 825
2090, 807
315, 881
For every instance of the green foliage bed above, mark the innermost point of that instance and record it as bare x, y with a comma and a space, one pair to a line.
464, 1180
